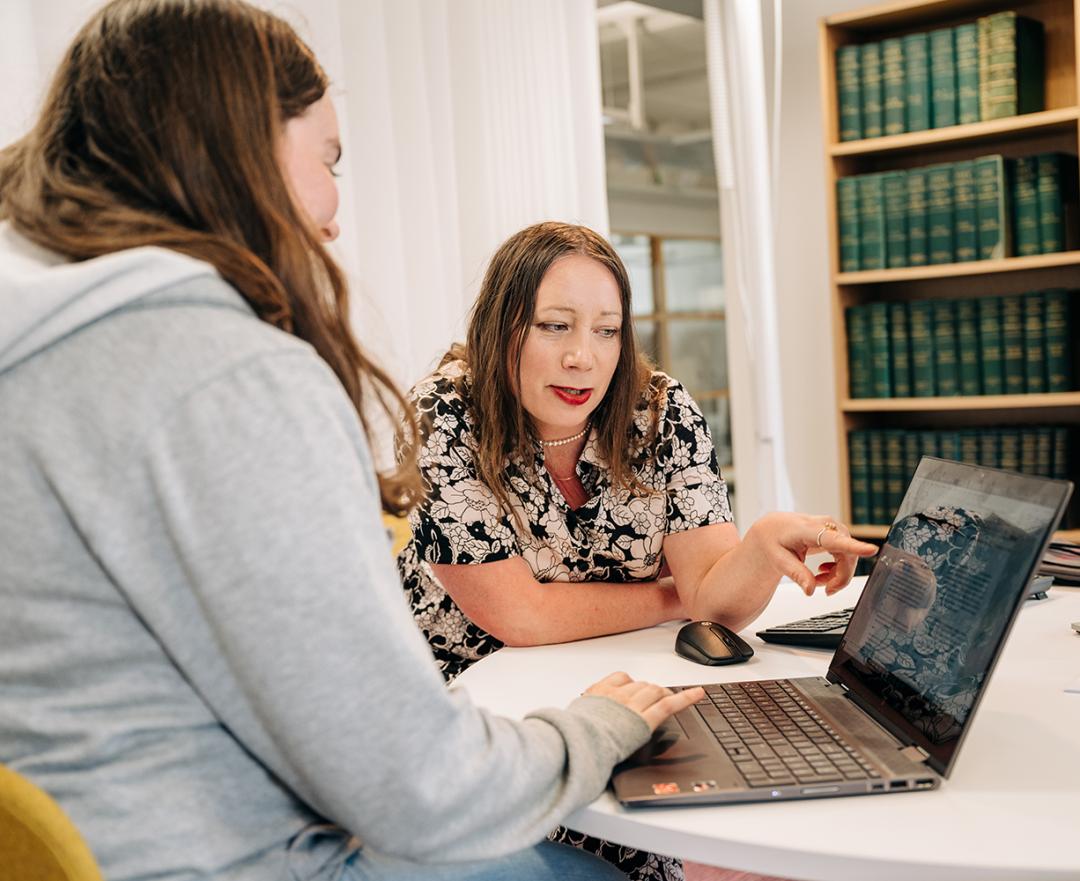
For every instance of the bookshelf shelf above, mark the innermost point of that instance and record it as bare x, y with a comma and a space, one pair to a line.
972, 426
1062, 120
950, 270
973, 402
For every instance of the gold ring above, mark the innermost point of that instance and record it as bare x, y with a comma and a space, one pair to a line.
829, 526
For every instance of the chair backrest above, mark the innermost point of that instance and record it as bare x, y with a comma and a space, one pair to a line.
37, 840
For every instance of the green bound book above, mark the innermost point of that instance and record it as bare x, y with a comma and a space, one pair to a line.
1051, 214
949, 445
939, 213
969, 446
1059, 352
946, 364
991, 359
982, 30
859, 469
917, 81
894, 189
965, 230
990, 448
918, 238
967, 346
1025, 203
1029, 451
858, 337
847, 217
1034, 344
912, 455
892, 86
849, 92
1060, 453
880, 358
920, 334
1010, 449
1044, 451
879, 501
942, 78
1012, 344
967, 73
873, 124
895, 478
992, 208
928, 443
1014, 70
871, 221
899, 350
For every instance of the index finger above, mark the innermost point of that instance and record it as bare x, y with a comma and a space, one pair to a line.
671, 704
836, 543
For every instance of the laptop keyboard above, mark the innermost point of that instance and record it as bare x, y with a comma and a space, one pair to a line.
821, 631
775, 737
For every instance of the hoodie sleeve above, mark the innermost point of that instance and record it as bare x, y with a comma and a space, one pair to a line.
287, 616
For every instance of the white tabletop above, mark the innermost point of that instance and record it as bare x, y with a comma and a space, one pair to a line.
1010, 810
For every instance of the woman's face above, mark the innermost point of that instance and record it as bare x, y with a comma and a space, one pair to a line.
310, 148
572, 346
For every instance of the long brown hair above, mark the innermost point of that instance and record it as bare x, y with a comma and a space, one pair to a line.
498, 324
161, 127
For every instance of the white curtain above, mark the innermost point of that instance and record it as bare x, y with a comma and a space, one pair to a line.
462, 121
745, 163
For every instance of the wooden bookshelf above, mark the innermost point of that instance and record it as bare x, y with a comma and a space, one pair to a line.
1056, 128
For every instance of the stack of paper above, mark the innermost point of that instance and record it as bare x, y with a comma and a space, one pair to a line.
1062, 561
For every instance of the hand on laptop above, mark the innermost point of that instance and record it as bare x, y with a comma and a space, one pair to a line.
653, 703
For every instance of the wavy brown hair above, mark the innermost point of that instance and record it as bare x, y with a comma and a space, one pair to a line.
162, 127
498, 324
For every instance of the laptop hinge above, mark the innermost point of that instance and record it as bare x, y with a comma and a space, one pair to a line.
914, 753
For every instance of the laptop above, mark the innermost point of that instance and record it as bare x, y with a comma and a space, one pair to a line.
905, 680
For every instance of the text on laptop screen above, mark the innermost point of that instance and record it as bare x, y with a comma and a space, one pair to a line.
947, 582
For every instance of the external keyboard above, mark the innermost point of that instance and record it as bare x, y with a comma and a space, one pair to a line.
821, 631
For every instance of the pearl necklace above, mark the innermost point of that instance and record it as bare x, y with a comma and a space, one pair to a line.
567, 440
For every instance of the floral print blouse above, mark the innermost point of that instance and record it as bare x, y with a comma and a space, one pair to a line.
614, 536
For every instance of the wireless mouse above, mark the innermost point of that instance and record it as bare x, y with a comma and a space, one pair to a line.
706, 642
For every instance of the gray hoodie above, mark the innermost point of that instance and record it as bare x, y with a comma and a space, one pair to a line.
205, 655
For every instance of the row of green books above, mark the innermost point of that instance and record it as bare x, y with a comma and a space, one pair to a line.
1012, 345
988, 69
976, 209
881, 461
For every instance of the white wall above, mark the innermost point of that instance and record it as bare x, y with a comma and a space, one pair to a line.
806, 365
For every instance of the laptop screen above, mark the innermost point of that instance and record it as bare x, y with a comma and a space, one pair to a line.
939, 603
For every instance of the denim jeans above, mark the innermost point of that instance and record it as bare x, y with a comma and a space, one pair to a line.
545, 862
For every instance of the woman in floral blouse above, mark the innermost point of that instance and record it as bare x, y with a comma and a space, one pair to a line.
572, 491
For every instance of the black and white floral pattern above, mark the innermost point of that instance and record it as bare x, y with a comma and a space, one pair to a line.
613, 537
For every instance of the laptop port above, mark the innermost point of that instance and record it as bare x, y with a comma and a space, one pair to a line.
898, 784
877, 787
924, 784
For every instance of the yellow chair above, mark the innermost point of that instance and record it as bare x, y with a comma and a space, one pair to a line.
399, 530
37, 840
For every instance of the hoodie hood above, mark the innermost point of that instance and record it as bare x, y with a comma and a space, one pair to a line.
44, 297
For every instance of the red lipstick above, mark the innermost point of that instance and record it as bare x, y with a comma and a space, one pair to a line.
573, 396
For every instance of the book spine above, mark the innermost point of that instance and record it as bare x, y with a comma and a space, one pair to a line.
1044, 451
849, 92
878, 500
942, 78
949, 445
967, 73
965, 223
880, 358
967, 346
1056, 314
912, 454
859, 460
899, 349
892, 86
858, 334
991, 207
918, 238
991, 363
939, 212
982, 28
1060, 453
990, 448
969, 446
894, 473
1025, 207
872, 99
1051, 216
847, 213
1029, 451
1009, 440
945, 357
1012, 344
894, 193
917, 81
928, 443
871, 222
1030, 65
920, 333
1001, 92
1034, 344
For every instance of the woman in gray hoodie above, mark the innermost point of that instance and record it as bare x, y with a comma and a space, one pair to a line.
205, 654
